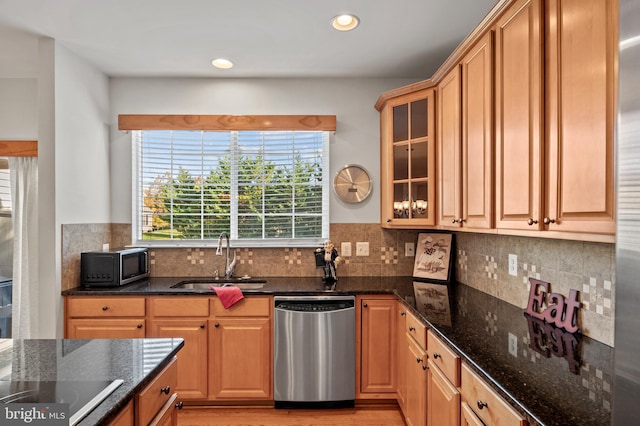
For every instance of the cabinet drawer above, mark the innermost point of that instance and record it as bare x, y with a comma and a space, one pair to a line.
172, 306
416, 329
105, 307
157, 393
254, 306
485, 403
444, 358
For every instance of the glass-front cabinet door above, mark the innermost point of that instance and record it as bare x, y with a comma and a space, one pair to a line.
408, 160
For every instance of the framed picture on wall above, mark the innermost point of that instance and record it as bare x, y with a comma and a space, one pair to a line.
433, 257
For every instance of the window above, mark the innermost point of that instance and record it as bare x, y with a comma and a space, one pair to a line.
264, 187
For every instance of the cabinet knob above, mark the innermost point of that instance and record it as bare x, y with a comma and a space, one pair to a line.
548, 220
530, 221
139, 326
166, 390
436, 355
425, 367
411, 328
104, 308
481, 405
403, 313
179, 405
216, 325
418, 360
364, 305
201, 325
388, 220
454, 220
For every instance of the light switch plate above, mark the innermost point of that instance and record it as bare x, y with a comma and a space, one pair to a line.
409, 249
345, 249
362, 248
105, 247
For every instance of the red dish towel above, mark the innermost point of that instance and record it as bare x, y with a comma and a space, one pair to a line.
229, 296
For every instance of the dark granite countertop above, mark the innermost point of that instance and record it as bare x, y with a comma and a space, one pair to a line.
551, 377
135, 361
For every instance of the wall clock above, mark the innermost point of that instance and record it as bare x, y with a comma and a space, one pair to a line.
352, 184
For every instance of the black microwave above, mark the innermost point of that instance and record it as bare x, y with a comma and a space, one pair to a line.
113, 268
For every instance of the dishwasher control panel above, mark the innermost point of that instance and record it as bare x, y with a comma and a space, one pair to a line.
314, 305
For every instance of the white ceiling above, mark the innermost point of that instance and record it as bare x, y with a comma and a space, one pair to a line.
264, 38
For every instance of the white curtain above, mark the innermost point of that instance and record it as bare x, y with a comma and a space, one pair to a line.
24, 196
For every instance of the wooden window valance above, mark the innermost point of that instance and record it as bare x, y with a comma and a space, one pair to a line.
226, 122
11, 148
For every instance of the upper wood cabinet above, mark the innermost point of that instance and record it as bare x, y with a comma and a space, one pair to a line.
554, 141
465, 140
407, 152
581, 56
519, 114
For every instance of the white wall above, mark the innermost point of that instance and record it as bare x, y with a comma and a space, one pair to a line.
18, 108
73, 164
356, 141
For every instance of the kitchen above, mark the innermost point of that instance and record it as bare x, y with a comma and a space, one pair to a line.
358, 124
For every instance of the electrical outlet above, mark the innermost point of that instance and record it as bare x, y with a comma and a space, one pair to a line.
513, 265
362, 249
513, 345
345, 249
409, 249
105, 247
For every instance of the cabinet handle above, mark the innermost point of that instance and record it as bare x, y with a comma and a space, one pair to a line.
418, 360
201, 325
425, 367
388, 220
365, 305
412, 328
165, 390
481, 405
216, 325
179, 405
436, 355
104, 308
531, 222
548, 220
139, 326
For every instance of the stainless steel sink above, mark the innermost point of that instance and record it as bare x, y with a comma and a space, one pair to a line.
242, 283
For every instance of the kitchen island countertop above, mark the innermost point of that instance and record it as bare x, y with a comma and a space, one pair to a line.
134, 361
549, 376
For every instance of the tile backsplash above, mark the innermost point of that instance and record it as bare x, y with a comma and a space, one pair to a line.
481, 262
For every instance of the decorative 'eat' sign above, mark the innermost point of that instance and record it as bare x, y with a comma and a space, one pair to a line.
561, 311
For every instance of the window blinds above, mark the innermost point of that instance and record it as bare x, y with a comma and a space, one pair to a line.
261, 186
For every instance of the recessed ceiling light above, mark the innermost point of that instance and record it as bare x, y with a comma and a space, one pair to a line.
222, 63
345, 22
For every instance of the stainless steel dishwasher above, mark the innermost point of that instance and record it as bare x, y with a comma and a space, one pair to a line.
314, 362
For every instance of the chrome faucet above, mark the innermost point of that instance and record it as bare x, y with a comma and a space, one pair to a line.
230, 266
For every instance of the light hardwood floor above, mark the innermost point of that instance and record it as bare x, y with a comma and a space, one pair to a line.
250, 416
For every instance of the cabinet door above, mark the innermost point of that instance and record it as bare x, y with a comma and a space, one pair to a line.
468, 417
241, 358
449, 150
416, 402
401, 370
518, 120
477, 135
581, 57
192, 358
443, 405
100, 328
407, 155
377, 347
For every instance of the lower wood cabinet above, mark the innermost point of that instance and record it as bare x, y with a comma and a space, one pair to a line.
401, 355
376, 335
415, 413
241, 360
155, 404
485, 403
104, 317
443, 399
